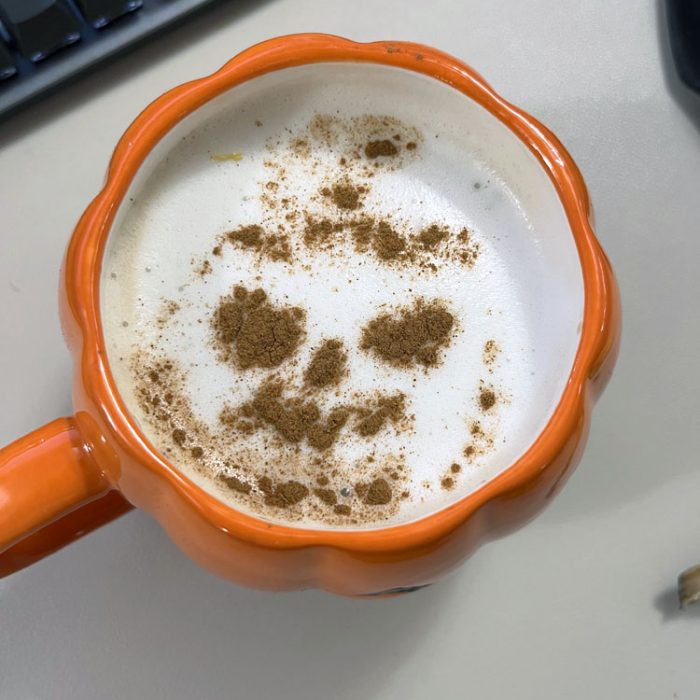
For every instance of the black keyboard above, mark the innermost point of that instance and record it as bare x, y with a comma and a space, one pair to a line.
45, 42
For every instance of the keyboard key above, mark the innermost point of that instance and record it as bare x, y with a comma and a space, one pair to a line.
39, 27
7, 65
684, 24
101, 12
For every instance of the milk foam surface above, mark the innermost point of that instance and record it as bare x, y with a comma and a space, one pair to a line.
517, 304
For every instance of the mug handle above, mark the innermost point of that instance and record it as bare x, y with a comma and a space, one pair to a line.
51, 493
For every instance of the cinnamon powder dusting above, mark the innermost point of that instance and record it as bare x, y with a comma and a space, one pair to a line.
384, 147
248, 236
447, 483
377, 493
344, 195
490, 353
297, 418
387, 242
388, 408
412, 336
327, 365
275, 247
487, 399
236, 484
254, 332
283, 494
327, 496
431, 236
320, 232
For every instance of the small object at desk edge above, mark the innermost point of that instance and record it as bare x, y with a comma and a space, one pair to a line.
689, 586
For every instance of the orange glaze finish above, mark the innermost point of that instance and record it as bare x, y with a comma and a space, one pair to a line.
73, 475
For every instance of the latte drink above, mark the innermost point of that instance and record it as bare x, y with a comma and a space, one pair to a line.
341, 296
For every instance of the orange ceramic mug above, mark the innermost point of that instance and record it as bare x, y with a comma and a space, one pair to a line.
77, 473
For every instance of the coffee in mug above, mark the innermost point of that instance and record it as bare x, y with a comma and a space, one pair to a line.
341, 313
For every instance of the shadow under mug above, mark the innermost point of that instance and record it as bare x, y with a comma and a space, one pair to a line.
78, 473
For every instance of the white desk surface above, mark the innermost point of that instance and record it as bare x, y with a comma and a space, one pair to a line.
579, 604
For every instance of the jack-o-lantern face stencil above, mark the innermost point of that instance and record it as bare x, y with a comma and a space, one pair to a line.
334, 333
